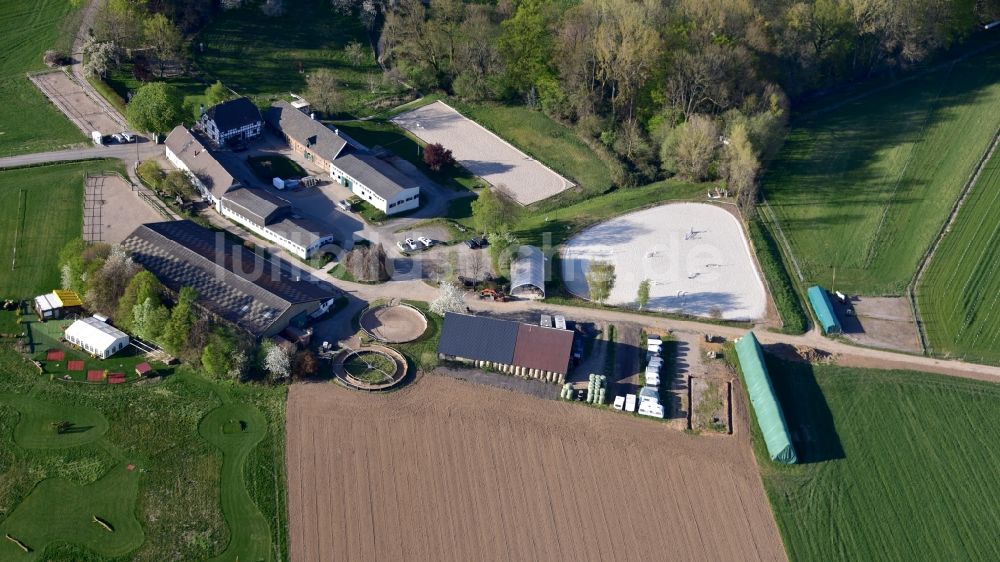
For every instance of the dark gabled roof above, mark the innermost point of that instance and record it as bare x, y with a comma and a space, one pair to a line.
375, 174
234, 114
307, 131
232, 282
547, 349
186, 146
478, 337
256, 204
506, 341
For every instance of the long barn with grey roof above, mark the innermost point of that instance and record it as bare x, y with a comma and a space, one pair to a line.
507, 346
274, 218
232, 282
185, 151
372, 178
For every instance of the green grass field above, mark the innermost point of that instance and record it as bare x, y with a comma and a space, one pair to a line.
44, 210
562, 222
959, 292
897, 465
865, 187
266, 58
199, 488
28, 121
549, 142
121, 83
267, 168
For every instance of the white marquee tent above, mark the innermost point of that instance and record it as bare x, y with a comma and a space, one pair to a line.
98, 338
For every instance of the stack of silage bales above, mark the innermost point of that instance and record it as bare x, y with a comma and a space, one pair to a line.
596, 388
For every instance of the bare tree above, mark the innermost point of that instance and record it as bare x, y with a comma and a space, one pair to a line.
477, 265
323, 91
690, 148
741, 166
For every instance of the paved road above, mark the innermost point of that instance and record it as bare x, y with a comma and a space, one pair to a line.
124, 152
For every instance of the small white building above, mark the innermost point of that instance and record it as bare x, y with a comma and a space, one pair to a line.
97, 338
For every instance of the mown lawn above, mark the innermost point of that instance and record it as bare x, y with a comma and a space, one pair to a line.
549, 142
863, 189
897, 465
28, 121
123, 84
183, 486
552, 227
268, 57
266, 168
43, 211
959, 293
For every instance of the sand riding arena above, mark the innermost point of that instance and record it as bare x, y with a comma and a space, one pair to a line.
484, 153
393, 323
695, 256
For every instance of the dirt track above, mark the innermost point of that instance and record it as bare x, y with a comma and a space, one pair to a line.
449, 470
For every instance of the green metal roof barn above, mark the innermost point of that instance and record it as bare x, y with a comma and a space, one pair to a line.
821, 305
764, 401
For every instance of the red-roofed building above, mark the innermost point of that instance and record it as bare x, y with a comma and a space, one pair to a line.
116, 378
143, 369
95, 376
75, 365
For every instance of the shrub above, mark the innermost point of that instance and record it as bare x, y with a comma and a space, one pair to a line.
786, 300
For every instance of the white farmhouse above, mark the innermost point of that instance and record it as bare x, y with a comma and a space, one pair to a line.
96, 337
372, 178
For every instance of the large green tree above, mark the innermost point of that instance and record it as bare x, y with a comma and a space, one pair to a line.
182, 319
156, 107
142, 287
492, 211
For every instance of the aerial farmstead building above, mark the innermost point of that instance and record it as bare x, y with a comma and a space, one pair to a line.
373, 179
765, 402
210, 177
274, 219
233, 283
96, 337
527, 273
57, 304
821, 305
510, 347
259, 211
233, 120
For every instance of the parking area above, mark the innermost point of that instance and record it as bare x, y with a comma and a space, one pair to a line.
484, 153
70, 97
885, 322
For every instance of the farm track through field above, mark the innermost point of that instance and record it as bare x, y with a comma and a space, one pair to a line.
450, 470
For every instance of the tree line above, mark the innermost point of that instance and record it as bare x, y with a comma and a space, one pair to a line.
694, 89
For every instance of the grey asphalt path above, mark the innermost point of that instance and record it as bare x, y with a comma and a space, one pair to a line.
125, 152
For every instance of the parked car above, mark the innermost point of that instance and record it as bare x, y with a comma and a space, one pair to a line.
427, 242
472, 243
483, 242
345, 205
128, 136
117, 137
408, 245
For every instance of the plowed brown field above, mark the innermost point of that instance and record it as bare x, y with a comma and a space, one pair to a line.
449, 470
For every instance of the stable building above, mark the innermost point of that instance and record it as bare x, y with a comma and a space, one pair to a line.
96, 337
372, 178
186, 152
235, 120
259, 296
57, 304
273, 218
510, 347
